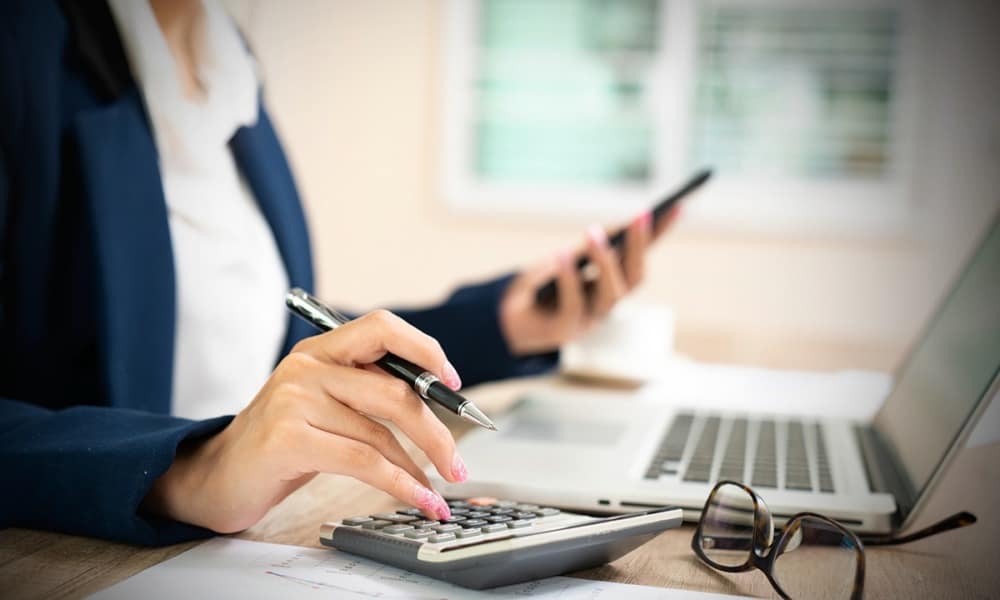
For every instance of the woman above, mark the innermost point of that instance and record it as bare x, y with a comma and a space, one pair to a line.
149, 225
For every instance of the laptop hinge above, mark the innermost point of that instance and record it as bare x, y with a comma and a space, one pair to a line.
884, 473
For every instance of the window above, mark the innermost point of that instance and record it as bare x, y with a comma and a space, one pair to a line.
599, 106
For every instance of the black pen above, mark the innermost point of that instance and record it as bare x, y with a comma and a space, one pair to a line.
425, 383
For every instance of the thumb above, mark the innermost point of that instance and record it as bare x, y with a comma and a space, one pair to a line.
541, 272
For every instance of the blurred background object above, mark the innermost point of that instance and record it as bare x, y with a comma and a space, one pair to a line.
857, 146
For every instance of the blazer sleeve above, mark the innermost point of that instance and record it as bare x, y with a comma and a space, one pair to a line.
85, 470
468, 326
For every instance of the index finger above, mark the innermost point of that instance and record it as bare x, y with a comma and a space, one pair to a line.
368, 338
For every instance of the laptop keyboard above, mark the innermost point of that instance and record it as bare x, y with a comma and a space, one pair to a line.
785, 454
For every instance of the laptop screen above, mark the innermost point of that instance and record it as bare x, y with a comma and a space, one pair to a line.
948, 371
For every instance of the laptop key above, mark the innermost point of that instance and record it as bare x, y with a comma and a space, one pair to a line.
735, 453
765, 468
796, 463
823, 464
700, 466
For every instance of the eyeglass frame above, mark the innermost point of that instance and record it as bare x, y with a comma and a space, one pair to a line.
763, 557
764, 549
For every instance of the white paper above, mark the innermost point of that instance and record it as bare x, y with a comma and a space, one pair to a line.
231, 568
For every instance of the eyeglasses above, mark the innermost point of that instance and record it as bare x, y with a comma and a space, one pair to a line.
813, 557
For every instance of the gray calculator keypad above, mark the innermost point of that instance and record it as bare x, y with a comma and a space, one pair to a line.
469, 519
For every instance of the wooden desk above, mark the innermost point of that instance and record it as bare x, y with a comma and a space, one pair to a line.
960, 564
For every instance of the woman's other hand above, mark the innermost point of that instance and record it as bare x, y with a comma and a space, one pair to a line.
530, 329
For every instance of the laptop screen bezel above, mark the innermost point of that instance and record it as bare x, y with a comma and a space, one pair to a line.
919, 496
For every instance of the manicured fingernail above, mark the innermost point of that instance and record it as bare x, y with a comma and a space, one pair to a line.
451, 378
597, 235
430, 502
424, 499
458, 470
443, 510
646, 219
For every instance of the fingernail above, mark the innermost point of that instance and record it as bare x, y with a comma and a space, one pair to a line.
430, 502
443, 510
597, 235
646, 219
451, 378
458, 470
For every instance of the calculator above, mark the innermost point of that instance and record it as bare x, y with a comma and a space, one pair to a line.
489, 542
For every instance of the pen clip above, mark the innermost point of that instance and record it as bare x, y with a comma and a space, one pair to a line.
312, 310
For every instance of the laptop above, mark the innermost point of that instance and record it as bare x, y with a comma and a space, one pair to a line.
628, 451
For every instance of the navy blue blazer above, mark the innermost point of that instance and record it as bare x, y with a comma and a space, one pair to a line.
87, 302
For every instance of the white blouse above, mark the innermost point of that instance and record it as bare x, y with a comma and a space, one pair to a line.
231, 320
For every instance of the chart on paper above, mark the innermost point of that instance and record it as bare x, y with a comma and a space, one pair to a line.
230, 568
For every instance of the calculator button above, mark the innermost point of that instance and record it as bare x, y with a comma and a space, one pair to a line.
501, 511
397, 529
527, 507
445, 528
422, 524
494, 527
413, 512
482, 501
524, 515
419, 534
505, 503
458, 504
355, 521
394, 517
474, 522
459, 510
442, 537
453, 519
518, 524
466, 533
476, 514
546, 512
375, 524
498, 519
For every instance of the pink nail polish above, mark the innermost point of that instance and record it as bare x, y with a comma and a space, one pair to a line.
426, 500
597, 235
646, 219
451, 378
458, 470
443, 510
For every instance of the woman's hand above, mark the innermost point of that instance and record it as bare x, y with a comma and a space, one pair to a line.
530, 329
316, 414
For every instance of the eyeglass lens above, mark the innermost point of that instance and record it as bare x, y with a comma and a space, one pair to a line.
816, 560
727, 526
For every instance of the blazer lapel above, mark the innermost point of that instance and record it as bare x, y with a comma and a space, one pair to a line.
258, 154
121, 187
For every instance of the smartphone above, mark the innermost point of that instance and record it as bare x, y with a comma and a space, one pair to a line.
547, 296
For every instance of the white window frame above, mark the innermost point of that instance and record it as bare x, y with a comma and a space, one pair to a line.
781, 206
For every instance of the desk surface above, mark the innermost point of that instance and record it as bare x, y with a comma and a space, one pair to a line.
959, 564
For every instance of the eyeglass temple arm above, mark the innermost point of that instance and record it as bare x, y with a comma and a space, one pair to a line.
955, 521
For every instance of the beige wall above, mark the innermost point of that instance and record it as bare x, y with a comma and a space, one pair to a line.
355, 90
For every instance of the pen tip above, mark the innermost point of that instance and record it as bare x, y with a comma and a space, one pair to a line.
470, 412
